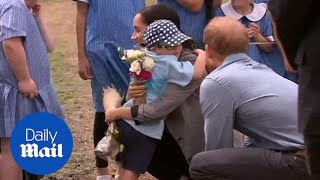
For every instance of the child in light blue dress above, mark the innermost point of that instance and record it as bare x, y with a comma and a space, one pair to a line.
262, 48
259, 27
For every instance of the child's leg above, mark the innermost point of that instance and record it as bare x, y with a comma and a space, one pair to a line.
138, 151
9, 169
125, 174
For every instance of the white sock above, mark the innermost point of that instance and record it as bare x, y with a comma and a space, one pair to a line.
116, 177
104, 177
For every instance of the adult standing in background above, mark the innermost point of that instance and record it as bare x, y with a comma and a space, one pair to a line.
298, 28
102, 26
193, 15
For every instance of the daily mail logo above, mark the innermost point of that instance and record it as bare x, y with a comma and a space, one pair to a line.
33, 150
41, 143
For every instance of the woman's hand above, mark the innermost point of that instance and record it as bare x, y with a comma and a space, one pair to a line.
111, 115
136, 90
114, 114
199, 52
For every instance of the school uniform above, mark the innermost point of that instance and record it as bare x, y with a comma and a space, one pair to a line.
108, 26
192, 23
260, 16
17, 21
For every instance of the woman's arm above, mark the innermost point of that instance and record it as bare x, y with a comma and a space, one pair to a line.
173, 96
118, 114
192, 5
44, 30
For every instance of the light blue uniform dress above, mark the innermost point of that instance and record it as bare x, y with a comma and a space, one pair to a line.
192, 24
259, 16
167, 70
108, 26
263, 2
17, 21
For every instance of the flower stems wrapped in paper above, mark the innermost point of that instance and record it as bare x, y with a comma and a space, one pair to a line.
109, 147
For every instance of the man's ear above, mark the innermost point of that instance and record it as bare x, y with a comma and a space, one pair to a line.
209, 52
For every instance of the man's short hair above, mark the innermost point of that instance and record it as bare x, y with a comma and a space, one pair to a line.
226, 36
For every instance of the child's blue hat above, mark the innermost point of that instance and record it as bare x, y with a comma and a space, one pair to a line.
163, 31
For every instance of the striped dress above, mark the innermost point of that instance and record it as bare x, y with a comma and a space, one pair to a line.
192, 23
108, 26
17, 21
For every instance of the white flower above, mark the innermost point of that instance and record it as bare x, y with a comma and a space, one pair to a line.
135, 67
148, 63
133, 55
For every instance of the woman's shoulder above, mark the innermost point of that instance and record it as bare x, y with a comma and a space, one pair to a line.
187, 55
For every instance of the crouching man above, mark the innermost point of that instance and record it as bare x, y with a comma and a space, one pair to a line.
244, 95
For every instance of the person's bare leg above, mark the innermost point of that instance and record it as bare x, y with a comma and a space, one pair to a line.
102, 171
9, 168
127, 174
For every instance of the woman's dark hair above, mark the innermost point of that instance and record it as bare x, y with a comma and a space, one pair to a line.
161, 11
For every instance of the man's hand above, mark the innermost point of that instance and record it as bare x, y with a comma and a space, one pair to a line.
84, 68
28, 88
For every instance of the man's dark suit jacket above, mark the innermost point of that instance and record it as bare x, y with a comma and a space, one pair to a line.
295, 19
298, 27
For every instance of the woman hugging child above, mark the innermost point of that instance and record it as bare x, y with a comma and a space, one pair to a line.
163, 44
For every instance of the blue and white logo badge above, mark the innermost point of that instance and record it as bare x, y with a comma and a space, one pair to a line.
41, 143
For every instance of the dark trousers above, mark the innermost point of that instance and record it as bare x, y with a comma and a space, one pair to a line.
168, 161
247, 164
99, 129
28, 176
309, 99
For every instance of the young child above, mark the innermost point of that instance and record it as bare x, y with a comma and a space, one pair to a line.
258, 22
25, 81
163, 41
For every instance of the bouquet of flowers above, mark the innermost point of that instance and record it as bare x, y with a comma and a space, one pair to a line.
141, 67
